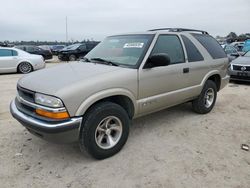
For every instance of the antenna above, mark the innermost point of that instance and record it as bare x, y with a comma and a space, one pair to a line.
66, 29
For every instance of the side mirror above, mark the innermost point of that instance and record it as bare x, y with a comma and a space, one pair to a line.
157, 60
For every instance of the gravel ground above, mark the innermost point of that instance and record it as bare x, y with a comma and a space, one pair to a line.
171, 148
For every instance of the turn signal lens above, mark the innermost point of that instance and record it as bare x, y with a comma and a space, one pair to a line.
53, 115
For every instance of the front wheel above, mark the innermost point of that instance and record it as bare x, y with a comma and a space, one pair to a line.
25, 67
105, 130
206, 100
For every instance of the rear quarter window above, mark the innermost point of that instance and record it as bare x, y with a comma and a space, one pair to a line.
14, 53
193, 53
211, 45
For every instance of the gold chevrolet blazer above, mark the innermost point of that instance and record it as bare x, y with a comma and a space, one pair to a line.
126, 76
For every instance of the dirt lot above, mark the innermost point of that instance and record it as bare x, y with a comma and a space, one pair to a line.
171, 148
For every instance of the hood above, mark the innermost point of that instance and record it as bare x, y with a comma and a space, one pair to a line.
242, 60
51, 80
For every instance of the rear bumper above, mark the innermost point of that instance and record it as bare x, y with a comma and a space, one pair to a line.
48, 56
66, 131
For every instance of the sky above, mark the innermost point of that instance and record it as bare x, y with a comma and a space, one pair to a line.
95, 19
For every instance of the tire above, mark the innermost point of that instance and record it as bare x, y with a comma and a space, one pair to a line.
206, 100
95, 137
25, 68
72, 58
60, 57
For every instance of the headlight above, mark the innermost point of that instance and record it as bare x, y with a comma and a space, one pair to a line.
48, 100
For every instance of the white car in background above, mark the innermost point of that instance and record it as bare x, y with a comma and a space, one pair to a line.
15, 60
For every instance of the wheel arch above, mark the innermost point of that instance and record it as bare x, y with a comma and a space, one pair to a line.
22, 61
121, 97
215, 77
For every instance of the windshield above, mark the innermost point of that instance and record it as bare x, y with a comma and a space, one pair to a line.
72, 47
126, 50
230, 50
44, 47
247, 54
57, 47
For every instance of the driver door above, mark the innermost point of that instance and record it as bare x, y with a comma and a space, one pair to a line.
160, 87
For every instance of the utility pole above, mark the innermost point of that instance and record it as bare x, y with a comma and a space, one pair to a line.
66, 29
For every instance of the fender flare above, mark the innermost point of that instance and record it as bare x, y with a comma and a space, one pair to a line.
211, 73
105, 94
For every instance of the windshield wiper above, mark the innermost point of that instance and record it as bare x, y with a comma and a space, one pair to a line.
104, 61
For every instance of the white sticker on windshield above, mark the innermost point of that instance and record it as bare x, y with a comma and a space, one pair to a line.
133, 45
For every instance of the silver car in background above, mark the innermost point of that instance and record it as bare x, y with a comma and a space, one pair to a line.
15, 60
239, 69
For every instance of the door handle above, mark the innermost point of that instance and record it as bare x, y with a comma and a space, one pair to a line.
186, 70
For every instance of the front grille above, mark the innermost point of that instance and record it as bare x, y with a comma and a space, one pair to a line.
239, 68
26, 94
24, 108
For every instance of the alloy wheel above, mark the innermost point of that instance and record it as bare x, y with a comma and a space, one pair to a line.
108, 132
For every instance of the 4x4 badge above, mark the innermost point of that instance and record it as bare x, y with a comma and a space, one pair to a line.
243, 68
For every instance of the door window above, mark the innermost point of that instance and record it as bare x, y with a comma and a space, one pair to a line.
171, 45
5, 53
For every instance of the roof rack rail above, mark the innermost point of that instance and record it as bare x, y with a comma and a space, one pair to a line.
179, 30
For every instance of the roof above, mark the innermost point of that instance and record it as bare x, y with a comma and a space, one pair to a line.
179, 30
8, 48
165, 30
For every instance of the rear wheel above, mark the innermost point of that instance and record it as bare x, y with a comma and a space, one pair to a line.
105, 130
25, 67
206, 100
60, 57
72, 57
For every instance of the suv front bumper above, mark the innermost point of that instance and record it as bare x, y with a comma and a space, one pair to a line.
65, 131
239, 75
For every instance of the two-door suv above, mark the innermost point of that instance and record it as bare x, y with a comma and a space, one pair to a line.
126, 76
